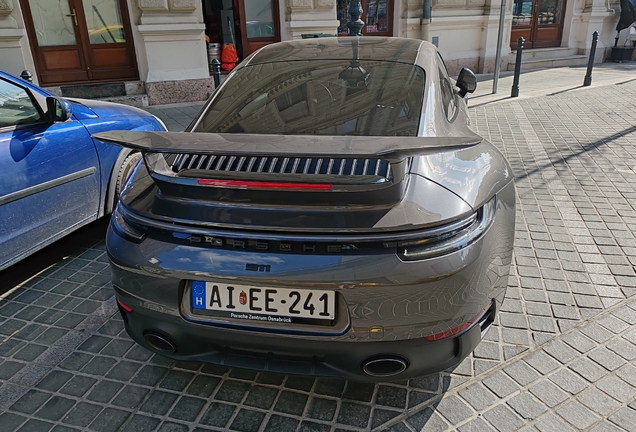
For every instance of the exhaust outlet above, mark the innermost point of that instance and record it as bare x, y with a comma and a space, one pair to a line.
384, 365
160, 342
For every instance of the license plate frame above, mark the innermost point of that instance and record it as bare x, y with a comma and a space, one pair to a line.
256, 304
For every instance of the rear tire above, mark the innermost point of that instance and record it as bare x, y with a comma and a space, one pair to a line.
124, 172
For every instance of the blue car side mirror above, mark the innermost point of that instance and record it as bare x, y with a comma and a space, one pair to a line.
58, 110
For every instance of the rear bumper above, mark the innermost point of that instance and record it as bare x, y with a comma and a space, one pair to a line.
296, 355
406, 300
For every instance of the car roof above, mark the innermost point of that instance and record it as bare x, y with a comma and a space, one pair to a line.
393, 49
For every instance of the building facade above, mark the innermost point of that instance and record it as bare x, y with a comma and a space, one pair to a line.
162, 45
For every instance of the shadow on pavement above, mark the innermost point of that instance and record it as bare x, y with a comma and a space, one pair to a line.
625, 82
487, 102
564, 91
586, 147
426, 394
41, 260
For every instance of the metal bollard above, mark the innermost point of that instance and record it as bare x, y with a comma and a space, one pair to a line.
26, 76
590, 64
216, 72
355, 24
515, 83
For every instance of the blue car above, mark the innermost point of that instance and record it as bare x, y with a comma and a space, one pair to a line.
54, 177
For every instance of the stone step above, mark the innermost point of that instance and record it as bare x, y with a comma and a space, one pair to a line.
575, 60
124, 92
544, 53
137, 100
100, 90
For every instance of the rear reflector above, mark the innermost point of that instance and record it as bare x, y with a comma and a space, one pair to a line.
124, 307
241, 184
456, 330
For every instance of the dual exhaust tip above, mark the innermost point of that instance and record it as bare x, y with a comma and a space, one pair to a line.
160, 343
384, 365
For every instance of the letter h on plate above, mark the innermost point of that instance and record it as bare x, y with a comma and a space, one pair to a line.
198, 295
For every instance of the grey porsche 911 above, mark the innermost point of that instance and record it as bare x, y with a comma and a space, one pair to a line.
328, 212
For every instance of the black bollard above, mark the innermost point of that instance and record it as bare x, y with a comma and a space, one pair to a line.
26, 76
515, 82
590, 64
216, 72
355, 24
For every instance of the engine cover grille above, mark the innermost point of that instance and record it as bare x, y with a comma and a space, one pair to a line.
277, 165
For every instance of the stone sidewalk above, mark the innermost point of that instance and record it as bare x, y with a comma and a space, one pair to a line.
562, 355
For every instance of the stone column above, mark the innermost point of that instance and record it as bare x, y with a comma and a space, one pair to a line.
408, 22
465, 30
488, 52
171, 50
467, 33
15, 54
309, 16
584, 17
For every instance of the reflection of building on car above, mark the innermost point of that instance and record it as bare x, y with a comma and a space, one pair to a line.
328, 212
54, 178
108, 34
257, 29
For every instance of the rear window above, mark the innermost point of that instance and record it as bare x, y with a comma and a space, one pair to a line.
327, 97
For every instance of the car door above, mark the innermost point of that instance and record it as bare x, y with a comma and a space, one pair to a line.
49, 174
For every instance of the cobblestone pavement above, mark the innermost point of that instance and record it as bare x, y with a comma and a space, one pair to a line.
561, 356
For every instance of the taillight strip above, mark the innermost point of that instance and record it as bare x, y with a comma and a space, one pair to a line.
124, 307
244, 184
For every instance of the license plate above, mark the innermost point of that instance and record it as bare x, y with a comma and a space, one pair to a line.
267, 304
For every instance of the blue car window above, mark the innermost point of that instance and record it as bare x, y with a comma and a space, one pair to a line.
16, 106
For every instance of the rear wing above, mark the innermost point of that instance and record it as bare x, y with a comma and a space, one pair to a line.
309, 146
280, 162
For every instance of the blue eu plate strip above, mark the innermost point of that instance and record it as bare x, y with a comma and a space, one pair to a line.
198, 295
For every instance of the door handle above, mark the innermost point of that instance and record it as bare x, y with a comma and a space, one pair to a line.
74, 15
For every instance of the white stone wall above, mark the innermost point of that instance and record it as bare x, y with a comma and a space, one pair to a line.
171, 52
584, 17
308, 16
466, 30
169, 39
15, 54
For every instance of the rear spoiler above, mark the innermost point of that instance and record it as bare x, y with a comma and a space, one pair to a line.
155, 146
310, 146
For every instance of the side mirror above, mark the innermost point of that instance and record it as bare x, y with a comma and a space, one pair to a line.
57, 109
466, 81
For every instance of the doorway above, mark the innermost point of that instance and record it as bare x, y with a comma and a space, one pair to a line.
540, 22
79, 41
248, 24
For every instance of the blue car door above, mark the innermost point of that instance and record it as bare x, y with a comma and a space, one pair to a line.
49, 175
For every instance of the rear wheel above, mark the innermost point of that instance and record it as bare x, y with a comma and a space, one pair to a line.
124, 172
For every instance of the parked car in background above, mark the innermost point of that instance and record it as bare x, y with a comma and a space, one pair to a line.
329, 212
54, 178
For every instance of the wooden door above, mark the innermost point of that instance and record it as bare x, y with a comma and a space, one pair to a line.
376, 14
540, 22
259, 24
75, 41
